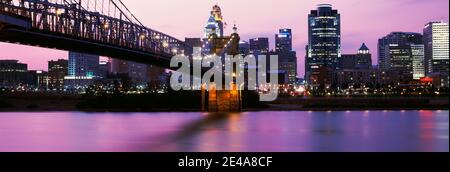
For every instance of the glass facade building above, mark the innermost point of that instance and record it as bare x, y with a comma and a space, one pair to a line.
324, 40
57, 70
400, 61
418, 59
401, 38
259, 46
406, 60
283, 40
436, 47
83, 65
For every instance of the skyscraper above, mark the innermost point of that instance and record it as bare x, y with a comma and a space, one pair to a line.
435, 37
214, 24
259, 45
83, 65
405, 60
283, 40
400, 38
418, 60
214, 28
82, 70
324, 40
57, 70
400, 61
287, 61
244, 48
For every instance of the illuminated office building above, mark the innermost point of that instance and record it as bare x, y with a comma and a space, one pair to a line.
436, 47
83, 65
214, 28
12, 73
324, 41
259, 46
283, 40
418, 60
401, 38
406, 60
57, 70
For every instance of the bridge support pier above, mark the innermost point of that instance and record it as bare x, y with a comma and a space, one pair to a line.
221, 100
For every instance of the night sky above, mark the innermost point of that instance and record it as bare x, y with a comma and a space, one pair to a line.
362, 21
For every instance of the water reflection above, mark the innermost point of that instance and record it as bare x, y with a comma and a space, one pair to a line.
251, 131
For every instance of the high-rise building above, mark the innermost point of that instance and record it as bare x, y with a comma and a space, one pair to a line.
215, 23
82, 70
42, 80
406, 60
436, 40
259, 46
401, 38
13, 73
287, 61
140, 74
287, 58
103, 69
57, 70
324, 40
83, 65
244, 48
214, 28
283, 40
400, 61
418, 60
361, 60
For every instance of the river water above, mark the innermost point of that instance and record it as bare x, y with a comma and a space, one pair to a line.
289, 131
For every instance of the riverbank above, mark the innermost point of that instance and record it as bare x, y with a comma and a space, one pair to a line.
360, 103
191, 103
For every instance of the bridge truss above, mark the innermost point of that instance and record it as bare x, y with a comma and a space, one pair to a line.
105, 22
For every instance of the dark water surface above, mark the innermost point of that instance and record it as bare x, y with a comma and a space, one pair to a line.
249, 131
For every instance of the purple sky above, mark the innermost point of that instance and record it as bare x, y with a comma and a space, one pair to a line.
362, 21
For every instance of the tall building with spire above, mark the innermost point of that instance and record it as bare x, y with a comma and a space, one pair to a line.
214, 28
216, 43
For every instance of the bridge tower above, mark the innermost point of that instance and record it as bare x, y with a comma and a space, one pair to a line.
223, 100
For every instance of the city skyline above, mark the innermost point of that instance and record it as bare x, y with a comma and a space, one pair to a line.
225, 76
404, 15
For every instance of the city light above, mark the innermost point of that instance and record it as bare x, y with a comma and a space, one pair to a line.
153, 76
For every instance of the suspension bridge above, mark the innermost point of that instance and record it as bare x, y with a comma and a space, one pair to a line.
101, 27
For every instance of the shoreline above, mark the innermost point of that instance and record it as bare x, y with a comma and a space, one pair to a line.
248, 110
94, 105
